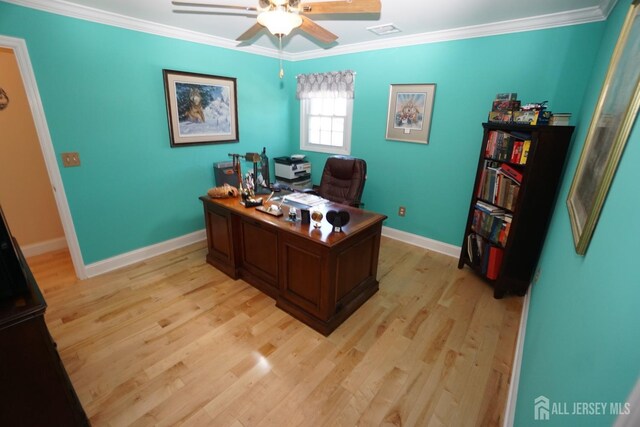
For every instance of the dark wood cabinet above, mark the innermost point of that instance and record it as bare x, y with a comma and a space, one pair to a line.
35, 388
512, 202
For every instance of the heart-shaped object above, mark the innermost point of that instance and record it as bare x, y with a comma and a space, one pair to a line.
338, 219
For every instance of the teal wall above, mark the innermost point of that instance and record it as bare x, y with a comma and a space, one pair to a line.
103, 96
583, 336
434, 181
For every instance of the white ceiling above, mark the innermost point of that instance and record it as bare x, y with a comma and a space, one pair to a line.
419, 21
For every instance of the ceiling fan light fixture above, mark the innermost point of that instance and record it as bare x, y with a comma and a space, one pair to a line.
279, 21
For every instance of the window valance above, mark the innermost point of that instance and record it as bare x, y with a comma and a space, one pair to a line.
336, 84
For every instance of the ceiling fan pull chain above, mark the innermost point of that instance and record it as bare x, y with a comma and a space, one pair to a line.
280, 55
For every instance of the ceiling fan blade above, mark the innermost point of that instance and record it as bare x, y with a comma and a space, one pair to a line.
345, 6
217, 6
250, 33
213, 12
316, 31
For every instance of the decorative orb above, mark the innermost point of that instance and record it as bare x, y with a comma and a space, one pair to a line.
316, 216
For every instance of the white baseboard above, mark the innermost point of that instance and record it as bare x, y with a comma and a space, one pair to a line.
512, 397
142, 254
43, 247
422, 242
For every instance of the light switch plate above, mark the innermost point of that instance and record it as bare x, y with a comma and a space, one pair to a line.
70, 159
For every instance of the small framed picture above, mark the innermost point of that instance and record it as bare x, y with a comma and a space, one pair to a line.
201, 109
410, 110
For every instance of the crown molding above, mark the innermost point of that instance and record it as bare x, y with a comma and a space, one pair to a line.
542, 22
60, 7
607, 6
574, 17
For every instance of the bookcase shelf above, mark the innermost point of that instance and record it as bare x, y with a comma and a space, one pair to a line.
519, 172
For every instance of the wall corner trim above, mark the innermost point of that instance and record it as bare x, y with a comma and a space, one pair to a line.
142, 254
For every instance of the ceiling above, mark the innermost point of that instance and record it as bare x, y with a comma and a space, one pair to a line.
419, 21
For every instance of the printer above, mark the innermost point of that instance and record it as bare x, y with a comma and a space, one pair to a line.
294, 172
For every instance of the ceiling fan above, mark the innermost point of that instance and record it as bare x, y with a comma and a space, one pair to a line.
280, 17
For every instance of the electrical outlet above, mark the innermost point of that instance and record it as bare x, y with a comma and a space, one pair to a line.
402, 211
70, 159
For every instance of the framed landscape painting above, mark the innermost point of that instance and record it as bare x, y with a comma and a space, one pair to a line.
409, 114
201, 109
614, 116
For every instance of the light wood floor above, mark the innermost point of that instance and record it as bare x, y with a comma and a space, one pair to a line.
173, 341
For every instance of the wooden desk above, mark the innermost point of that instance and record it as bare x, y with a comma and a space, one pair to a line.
318, 276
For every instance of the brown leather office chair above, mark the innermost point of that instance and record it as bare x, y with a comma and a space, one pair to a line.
343, 180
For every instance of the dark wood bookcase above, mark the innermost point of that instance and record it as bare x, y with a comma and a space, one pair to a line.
504, 246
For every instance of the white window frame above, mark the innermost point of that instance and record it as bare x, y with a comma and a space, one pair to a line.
345, 149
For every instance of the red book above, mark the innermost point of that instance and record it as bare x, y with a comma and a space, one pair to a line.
495, 261
512, 172
517, 152
491, 144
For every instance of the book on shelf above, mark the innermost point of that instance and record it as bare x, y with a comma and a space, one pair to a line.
507, 146
494, 262
504, 231
525, 152
511, 172
490, 226
516, 153
474, 250
485, 256
490, 209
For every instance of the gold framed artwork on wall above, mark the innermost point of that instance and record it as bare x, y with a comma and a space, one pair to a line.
612, 121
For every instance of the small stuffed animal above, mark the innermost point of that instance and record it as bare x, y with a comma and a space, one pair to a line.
223, 192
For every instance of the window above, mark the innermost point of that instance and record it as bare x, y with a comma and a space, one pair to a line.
325, 125
326, 109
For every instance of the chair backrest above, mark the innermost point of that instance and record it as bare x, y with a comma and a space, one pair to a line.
343, 180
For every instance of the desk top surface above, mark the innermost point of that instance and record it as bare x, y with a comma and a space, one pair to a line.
359, 220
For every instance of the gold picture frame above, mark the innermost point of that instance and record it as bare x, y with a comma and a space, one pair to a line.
612, 120
410, 110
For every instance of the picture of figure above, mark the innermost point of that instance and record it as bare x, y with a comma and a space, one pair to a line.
410, 109
203, 109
